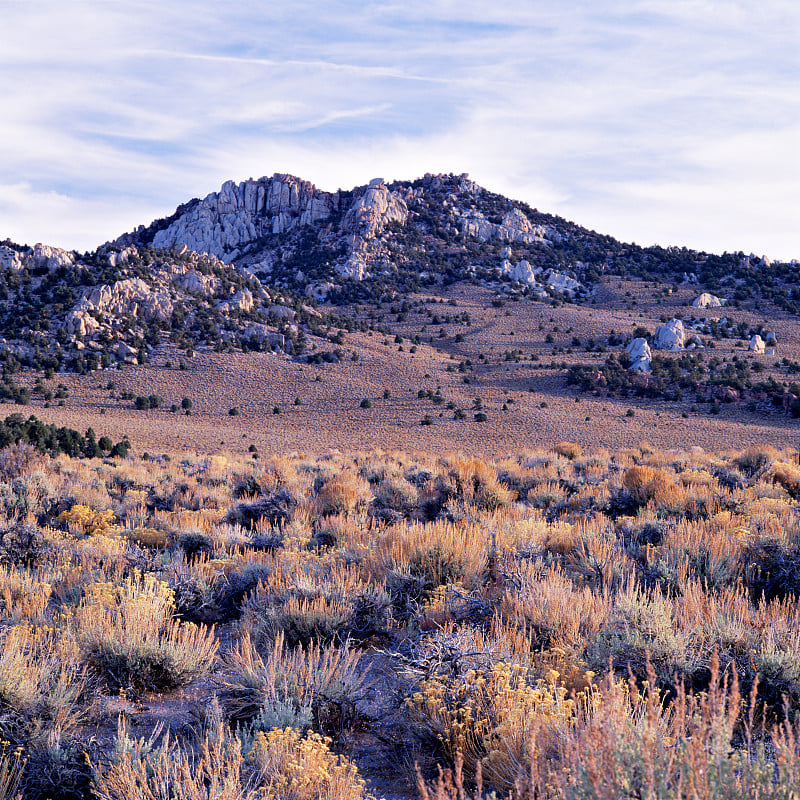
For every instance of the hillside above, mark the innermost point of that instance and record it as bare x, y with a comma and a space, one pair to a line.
419, 313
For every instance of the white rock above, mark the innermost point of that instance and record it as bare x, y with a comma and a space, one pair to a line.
561, 282
237, 214
124, 352
241, 301
770, 339
377, 207
639, 351
131, 296
43, 255
282, 312
706, 300
9, 259
514, 227
355, 267
756, 344
79, 322
670, 336
197, 283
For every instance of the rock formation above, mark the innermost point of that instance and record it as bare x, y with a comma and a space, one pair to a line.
239, 213
639, 351
670, 336
9, 259
756, 344
706, 300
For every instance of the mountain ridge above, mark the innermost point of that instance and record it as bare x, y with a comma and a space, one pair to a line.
245, 267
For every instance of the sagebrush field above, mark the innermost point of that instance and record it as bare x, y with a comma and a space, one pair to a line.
557, 624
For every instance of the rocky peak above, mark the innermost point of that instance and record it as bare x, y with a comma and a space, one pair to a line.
223, 221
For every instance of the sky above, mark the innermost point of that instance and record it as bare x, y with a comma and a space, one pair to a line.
671, 122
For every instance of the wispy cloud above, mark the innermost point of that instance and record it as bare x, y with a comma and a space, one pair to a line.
657, 120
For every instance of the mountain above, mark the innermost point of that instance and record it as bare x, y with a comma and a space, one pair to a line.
245, 267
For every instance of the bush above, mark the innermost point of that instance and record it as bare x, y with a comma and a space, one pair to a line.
569, 450
131, 641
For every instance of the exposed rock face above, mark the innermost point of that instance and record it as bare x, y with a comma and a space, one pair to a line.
522, 272
319, 291
223, 221
196, 283
43, 255
543, 283
128, 297
131, 296
640, 354
706, 300
514, 227
9, 259
771, 339
561, 282
259, 333
241, 301
369, 215
671, 336
757, 344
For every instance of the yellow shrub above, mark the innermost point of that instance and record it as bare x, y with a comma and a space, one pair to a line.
83, 519
297, 767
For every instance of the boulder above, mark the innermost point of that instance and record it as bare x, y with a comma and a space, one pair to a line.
670, 336
319, 291
770, 339
260, 333
131, 296
197, 283
561, 282
756, 344
124, 352
639, 351
521, 272
706, 300
282, 312
79, 322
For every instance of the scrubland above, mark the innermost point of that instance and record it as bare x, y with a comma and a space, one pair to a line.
557, 624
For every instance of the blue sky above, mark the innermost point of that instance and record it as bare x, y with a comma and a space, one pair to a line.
674, 122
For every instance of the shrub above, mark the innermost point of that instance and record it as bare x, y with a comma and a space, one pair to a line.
297, 767
291, 687
646, 484
130, 640
139, 769
569, 450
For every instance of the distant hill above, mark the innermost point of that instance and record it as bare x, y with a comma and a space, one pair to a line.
246, 268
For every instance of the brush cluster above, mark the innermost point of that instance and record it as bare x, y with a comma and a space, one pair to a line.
556, 624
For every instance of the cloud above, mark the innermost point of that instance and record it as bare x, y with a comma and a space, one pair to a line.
656, 120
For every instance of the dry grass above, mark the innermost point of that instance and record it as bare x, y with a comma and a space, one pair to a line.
521, 603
